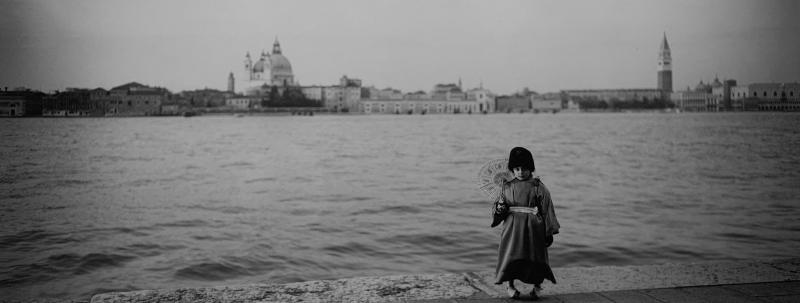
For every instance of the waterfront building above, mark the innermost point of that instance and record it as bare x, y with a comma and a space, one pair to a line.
345, 97
513, 104
76, 102
20, 102
484, 97
135, 99
693, 99
720, 98
388, 93
443, 98
242, 102
616, 95
206, 97
767, 96
417, 95
449, 91
546, 103
271, 69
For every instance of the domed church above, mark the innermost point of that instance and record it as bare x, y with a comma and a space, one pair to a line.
270, 70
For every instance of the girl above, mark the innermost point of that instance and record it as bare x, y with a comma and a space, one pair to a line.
528, 229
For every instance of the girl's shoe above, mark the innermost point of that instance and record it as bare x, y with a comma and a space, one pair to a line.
535, 292
534, 296
513, 293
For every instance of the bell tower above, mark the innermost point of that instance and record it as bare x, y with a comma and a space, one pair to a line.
231, 82
248, 66
664, 67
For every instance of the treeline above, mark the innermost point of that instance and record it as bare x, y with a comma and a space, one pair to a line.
291, 97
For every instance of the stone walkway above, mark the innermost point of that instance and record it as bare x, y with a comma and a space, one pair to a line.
731, 293
728, 282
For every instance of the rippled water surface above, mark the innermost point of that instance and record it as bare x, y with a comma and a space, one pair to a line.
95, 205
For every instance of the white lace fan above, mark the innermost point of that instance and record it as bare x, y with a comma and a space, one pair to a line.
491, 177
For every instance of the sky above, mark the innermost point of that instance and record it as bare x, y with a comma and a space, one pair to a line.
506, 46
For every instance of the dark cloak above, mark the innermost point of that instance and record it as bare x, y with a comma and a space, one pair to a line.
523, 250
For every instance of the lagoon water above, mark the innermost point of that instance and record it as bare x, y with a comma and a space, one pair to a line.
110, 204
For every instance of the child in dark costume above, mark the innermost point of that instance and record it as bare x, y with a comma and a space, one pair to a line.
528, 228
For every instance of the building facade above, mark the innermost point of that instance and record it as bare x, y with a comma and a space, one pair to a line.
513, 104
767, 96
610, 95
442, 99
345, 97
421, 107
76, 102
546, 103
693, 99
135, 99
20, 102
242, 103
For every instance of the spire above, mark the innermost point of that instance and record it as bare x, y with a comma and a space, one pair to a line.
276, 47
664, 44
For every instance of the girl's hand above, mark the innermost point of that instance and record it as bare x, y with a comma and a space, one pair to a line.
500, 207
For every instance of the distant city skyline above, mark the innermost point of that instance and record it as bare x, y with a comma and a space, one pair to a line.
408, 45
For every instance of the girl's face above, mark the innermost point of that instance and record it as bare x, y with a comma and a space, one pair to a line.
521, 173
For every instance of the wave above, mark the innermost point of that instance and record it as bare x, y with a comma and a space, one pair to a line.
95, 261
394, 209
62, 266
266, 179
237, 164
23, 237
149, 249
227, 268
233, 210
185, 223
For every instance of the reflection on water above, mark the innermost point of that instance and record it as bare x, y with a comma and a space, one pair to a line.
95, 205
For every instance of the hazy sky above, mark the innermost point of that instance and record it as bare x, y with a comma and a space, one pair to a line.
409, 45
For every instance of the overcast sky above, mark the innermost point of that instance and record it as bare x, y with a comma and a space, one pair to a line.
409, 45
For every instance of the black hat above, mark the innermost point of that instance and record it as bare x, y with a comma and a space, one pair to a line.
520, 156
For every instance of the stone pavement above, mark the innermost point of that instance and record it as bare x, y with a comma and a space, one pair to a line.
731, 293
728, 282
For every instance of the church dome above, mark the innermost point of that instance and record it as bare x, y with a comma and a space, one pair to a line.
259, 67
280, 65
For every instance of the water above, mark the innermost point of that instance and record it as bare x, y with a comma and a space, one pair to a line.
95, 205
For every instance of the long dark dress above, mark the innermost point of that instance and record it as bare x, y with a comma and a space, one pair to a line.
523, 251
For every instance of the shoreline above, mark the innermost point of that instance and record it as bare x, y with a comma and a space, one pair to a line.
479, 285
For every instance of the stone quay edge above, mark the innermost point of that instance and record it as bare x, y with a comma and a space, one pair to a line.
477, 285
